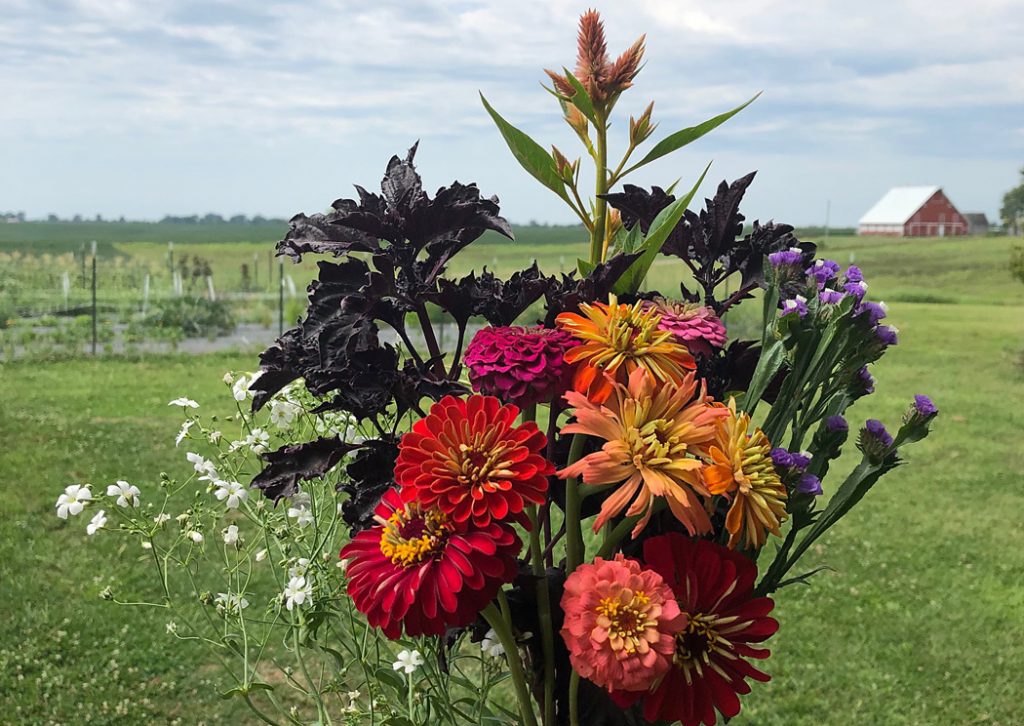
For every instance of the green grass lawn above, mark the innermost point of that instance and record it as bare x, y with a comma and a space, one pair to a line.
921, 621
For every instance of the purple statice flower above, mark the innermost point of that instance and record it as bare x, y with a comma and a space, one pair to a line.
876, 429
829, 296
809, 484
853, 274
866, 379
796, 305
875, 311
823, 271
781, 458
801, 459
786, 258
924, 406
887, 335
836, 424
856, 289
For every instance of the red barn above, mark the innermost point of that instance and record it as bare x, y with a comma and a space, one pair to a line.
913, 212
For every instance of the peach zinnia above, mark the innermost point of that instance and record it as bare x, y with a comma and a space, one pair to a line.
742, 469
650, 432
621, 623
617, 340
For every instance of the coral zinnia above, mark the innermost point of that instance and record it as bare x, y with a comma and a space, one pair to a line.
649, 430
470, 460
420, 570
617, 340
621, 623
520, 365
742, 469
714, 588
696, 326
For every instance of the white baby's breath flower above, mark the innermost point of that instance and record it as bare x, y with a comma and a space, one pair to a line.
282, 413
73, 500
202, 466
127, 494
408, 661
184, 402
231, 535
300, 510
171, 627
257, 440
230, 492
491, 645
195, 536
300, 568
162, 518
240, 390
296, 592
97, 523
228, 378
215, 437
261, 555
183, 432
231, 603
342, 565
146, 544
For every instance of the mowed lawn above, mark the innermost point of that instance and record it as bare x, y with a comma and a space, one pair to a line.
921, 621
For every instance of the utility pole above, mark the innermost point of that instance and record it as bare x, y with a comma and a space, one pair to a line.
94, 297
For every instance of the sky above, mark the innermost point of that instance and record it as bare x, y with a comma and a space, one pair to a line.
141, 109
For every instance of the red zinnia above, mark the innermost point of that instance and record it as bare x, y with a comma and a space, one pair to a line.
714, 587
468, 459
420, 570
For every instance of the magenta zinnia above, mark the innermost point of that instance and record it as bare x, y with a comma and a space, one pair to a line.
469, 459
714, 587
420, 570
695, 326
520, 365
621, 623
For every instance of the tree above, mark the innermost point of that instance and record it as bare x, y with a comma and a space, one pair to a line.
1012, 212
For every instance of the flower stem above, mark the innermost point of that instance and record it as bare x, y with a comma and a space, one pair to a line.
515, 664
544, 617
574, 699
597, 234
574, 531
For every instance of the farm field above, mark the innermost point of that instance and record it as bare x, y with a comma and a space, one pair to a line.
921, 620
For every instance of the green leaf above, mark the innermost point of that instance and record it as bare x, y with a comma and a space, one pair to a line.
392, 679
584, 266
530, 155
659, 231
688, 135
581, 99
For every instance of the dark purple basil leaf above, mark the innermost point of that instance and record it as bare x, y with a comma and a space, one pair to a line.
370, 473
637, 205
415, 382
295, 463
319, 234
568, 293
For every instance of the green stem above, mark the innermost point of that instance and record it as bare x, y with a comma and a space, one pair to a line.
574, 699
573, 526
600, 187
544, 617
515, 664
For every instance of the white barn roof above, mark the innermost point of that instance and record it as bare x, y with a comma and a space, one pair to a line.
898, 205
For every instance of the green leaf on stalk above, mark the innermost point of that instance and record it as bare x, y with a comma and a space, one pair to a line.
530, 155
686, 136
584, 266
581, 99
658, 232
392, 679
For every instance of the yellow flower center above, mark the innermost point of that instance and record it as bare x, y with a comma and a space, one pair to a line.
411, 536
627, 618
631, 333
482, 463
695, 644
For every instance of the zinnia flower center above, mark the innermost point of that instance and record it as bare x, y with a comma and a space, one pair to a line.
480, 462
410, 536
627, 618
700, 638
654, 444
630, 333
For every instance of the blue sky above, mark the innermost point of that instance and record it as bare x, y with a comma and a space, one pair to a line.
125, 107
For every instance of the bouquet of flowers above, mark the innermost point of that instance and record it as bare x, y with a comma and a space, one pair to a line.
598, 483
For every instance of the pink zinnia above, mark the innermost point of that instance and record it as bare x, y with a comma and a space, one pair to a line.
621, 623
520, 365
696, 326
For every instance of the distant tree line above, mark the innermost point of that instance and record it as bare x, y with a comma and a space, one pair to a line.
212, 218
1012, 211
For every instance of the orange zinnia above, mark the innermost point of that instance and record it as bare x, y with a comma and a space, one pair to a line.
617, 340
649, 431
741, 468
